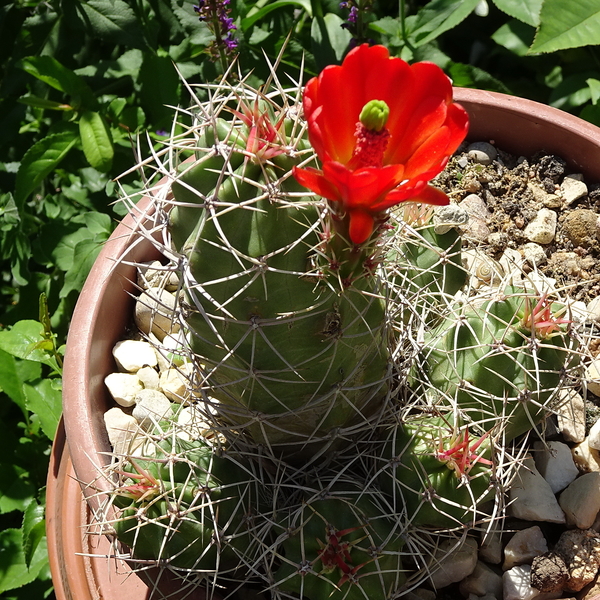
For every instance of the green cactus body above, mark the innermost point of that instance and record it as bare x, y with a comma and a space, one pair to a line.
437, 476
346, 545
489, 368
188, 507
290, 352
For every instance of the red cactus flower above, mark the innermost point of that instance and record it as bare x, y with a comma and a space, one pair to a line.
382, 129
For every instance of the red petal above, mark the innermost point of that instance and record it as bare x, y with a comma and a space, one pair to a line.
426, 194
364, 187
361, 226
314, 180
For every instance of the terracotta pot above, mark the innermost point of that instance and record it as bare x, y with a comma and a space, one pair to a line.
104, 311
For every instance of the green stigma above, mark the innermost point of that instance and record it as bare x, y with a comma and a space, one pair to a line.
374, 115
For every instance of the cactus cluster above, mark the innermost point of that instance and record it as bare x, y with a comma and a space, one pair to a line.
355, 393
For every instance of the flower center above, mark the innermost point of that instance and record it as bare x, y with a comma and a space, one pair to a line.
371, 135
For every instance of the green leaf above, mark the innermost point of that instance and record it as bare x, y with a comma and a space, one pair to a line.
113, 21
22, 341
10, 382
44, 103
157, 98
515, 36
96, 141
594, 85
99, 224
16, 491
527, 11
265, 10
463, 75
84, 255
39, 161
329, 39
34, 530
14, 572
439, 16
45, 400
50, 71
571, 92
567, 24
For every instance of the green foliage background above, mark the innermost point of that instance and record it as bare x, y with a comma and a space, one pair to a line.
86, 87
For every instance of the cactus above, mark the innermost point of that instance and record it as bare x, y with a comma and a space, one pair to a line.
188, 506
341, 542
265, 310
500, 364
435, 473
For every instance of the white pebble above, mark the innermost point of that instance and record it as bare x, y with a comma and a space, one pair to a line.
543, 227
581, 500
455, 560
155, 275
151, 407
482, 153
131, 355
592, 376
534, 254
573, 188
175, 383
554, 461
446, 218
587, 459
524, 546
593, 308
570, 414
481, 582
594, 436
123, 387
531, 497
149, 377
154, 311
517, 585
123, 431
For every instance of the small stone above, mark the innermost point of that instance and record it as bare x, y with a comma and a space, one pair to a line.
155, 275
581, 500
175, 383
570, 415
454, 561
132, 355
593, 308
475, 207
123, 387
549, 573
531, 497
581, 228
151, 407
448, 217
587, 459
543, 227
523, 547
516, 583
592, 376
543, 197
554, 461
171, 352
123, 431
149, 377
534, 254
594, 436
581, 552
462, 162
482, 153
491, 547
482, 581
573, 188
512, 261
154, 310
192, 424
